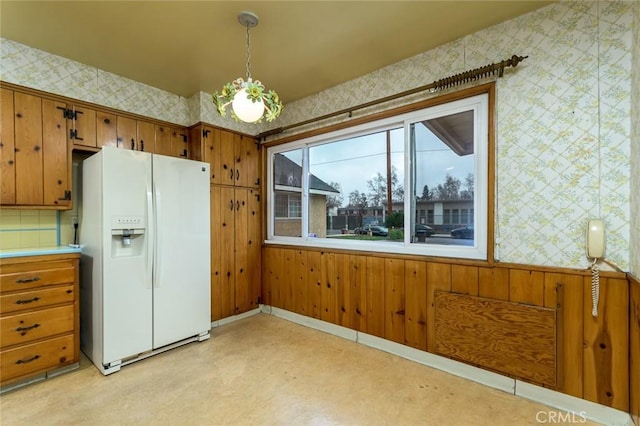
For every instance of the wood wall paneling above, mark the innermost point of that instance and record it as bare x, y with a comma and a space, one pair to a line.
227, 254
375, 296
314, 284
606, 344
343, 290
301, 269
493, 283
358, 292
634, 348
415, 287
241, 238
438, 278
526, 287
328, 292
394, 300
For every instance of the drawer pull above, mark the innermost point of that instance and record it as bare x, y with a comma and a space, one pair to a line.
25, 361
23, 302
31, 327
27, 280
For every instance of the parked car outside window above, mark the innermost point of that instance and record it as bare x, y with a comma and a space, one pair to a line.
376, 230
464, 233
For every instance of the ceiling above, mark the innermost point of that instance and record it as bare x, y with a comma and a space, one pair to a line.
298, 48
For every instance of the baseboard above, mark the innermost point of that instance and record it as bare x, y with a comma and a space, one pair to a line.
570, 408
234, 318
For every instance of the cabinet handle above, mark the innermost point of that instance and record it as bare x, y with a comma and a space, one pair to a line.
231, 205
237, 205
133, 144
24, 302
141, 145
31, 327
237, 174
25, 361
27, 280
231, 175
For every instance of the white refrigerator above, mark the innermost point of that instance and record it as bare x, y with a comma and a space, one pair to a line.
145, 266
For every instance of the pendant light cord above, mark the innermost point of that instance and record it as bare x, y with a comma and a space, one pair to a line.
248, 55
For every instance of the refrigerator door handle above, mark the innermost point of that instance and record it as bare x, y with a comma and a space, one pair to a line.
150, 235
156, 251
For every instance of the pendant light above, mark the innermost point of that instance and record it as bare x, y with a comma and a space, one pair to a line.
249, 100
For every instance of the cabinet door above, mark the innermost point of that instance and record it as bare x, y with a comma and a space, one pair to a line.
247, 244
55, 156
7, 150
216, 252
106, 130
127, 132
179, 143
227, 156
247, 161
146, 136
28, 149
163, 140
211, 153
82, 128
223, 211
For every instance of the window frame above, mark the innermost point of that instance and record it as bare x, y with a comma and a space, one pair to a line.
481, 102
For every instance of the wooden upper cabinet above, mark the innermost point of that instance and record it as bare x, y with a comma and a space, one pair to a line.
179, 143
127, 132
106, 131
56, 170
247, 154
81, 125
146, 133
163, 140
234, 159
7, 149
28, 149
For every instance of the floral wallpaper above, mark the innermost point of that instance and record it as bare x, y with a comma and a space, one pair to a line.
635, 146
563, 125
567, 147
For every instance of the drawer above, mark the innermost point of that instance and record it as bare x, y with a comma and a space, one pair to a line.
36, 357
23, 328
38, 275
14, 302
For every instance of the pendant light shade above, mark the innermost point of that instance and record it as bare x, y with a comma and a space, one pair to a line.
249, 100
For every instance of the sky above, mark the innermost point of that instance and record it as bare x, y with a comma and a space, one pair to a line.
354, 161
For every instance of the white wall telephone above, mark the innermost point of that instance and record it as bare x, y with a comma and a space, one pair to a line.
595, 251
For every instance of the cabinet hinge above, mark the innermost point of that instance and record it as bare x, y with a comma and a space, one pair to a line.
257, 197
184, 138
67, 196
205, 133
73, 134
68, 113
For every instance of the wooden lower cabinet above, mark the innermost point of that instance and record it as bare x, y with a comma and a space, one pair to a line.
235, 250
39, 315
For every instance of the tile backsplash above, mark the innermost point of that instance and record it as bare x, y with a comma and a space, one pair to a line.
29, 228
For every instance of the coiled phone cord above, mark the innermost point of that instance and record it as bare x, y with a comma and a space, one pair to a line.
595, 287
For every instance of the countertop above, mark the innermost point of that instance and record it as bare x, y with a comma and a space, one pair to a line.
38, 251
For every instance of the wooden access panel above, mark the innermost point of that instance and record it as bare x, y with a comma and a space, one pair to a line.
127, 133
146, 134
163, 140
106, 131
216, 253
254, 251
512, 338
226, 233
179, 143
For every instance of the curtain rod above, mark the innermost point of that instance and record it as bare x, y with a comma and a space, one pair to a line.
444, 83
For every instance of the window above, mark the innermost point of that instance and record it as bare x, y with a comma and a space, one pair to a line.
415, 183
